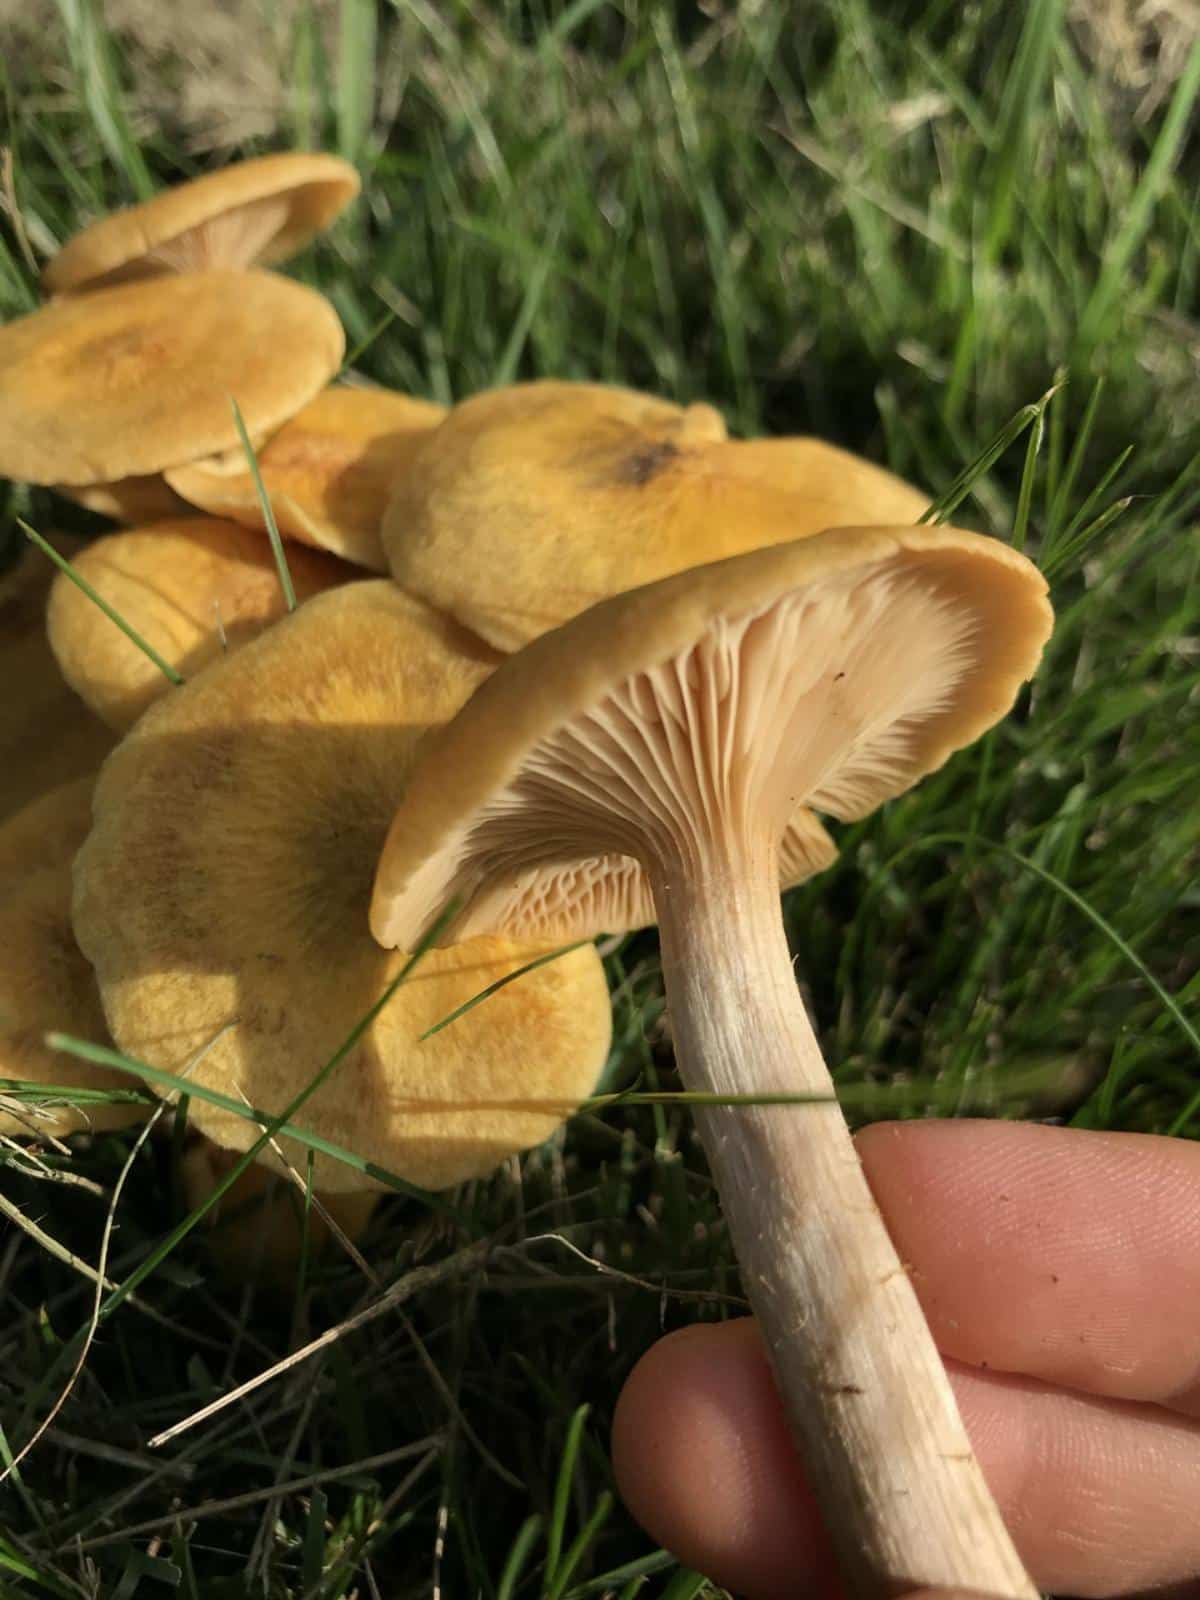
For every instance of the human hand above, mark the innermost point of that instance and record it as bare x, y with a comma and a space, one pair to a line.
1060, 1273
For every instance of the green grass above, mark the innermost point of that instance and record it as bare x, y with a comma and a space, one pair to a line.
860, 228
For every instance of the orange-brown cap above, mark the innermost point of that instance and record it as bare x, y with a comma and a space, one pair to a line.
529, 504
327, 473
45, 983
825, 675
47, 736
254, 211
193, 588
127, 381
225, 886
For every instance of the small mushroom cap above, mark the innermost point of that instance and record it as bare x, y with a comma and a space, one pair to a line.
45, 983
129, 500
256, 1228
193, 588
47, 737
328, 472
831, 673
529, 504
226, 881
255, 211
127, 381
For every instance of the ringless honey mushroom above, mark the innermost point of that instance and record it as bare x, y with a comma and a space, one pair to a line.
125, 382
531, 503
222, 898
253, 211
45, 983
193, 589
47, 738
679, 727
327, 473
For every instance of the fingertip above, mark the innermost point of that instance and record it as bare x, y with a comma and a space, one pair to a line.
704, 1461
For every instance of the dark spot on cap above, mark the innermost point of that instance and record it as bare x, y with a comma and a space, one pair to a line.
646, 463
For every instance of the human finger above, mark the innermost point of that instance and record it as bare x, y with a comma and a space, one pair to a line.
1072, 1257
1099, 1494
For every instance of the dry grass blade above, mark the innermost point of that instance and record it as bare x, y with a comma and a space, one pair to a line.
102, 1283
413, 1283
253, 1497
697, 1296
48, 1243
307, 1197
12, 209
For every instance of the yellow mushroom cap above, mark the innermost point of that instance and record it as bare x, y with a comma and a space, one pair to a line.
529, 504
829, 674
225, 885
328, 472
193, 588
47, 737
128, 500
127, 381
254, 211
45, 983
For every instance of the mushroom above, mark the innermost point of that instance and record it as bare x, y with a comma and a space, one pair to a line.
669, 734
45, 983
257, 1228
129, 500
529, 504
193, 588
254, 211
47, 737
126, 381
222, 899
327, 472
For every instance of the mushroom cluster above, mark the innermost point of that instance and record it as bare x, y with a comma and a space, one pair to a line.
563, 660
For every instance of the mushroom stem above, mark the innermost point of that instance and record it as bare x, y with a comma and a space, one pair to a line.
865, 1390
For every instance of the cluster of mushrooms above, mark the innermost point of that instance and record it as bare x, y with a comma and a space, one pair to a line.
564, 658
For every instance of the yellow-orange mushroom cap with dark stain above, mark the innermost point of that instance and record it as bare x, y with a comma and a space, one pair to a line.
529, 504
47, 736
328, 472
226, 882
262, 210
126, 381
194, 588
46, 985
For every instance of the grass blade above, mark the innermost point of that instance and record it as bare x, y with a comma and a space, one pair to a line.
518, 1556
170, 673
162, 1250
268, 511
556, 1530
501, 983
357, 45
169, 1082
581, 1545
958, 491
92, 61
1113, 279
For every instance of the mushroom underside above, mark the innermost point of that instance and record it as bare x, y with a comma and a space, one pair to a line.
806, 704
230, 241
